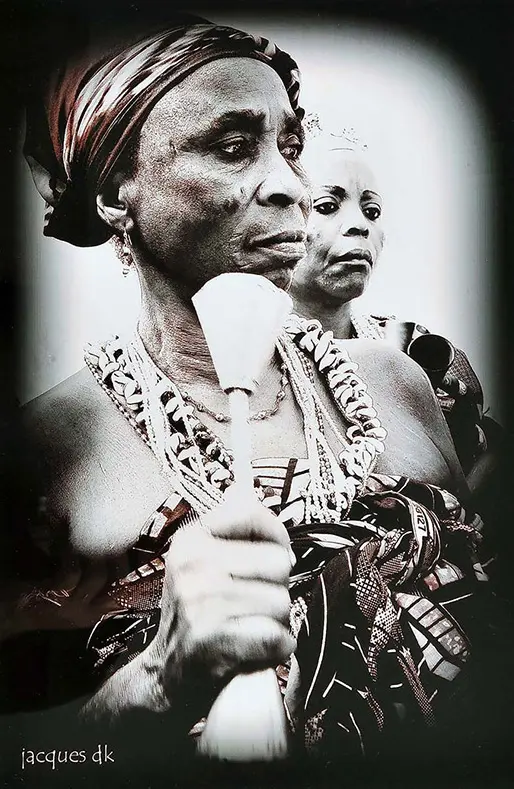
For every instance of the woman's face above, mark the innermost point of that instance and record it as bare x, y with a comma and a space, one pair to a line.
217, 185
345, 235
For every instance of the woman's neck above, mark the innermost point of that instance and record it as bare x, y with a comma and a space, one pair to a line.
333, 317
171, 333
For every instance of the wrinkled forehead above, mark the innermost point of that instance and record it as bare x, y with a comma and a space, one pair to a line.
345, 168
216, 90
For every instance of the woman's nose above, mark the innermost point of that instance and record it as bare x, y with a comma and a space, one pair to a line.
356, 230
353, 222
282, 187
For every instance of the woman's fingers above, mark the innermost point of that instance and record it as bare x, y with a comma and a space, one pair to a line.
261, 561
195, 550
243, 517
208, 605
245, 644
225, 603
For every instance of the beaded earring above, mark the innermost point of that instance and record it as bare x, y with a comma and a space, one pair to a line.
127, 256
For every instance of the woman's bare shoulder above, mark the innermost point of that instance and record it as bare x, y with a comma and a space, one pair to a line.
397, 378
92, 468
380, 358
67, 415
79, 389
56, 442
67, 429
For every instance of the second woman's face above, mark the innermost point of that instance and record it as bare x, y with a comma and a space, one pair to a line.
217, 185
345, 235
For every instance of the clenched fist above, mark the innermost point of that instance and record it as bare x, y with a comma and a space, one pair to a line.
225, 604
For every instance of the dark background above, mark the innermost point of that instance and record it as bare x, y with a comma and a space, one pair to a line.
479, 36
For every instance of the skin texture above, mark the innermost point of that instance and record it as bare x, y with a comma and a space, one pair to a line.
228, 615
346, 216
217, 169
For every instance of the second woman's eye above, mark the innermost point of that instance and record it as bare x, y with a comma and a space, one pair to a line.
325, 206
372, 212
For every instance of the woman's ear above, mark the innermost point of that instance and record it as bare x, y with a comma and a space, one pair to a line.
113, 208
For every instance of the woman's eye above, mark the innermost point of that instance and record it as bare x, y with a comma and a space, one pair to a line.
325, 206
236, 148
372, 212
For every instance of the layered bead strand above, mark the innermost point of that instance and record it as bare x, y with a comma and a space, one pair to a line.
200, 466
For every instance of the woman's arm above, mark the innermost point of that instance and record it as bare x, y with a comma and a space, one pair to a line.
136, 686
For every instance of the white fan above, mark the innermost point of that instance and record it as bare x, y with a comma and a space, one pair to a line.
241, 316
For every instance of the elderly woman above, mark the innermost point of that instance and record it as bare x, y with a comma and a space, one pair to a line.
185, 145
345, 240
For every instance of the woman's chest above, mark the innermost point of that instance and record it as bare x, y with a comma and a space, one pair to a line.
116, 491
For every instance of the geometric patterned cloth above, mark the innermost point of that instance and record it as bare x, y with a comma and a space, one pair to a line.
379, 605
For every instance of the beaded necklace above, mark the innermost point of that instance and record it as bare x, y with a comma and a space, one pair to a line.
259, 416
199, 465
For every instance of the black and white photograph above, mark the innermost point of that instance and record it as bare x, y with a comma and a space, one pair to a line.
256, 518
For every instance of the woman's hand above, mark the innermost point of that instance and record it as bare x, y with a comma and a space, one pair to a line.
225, 604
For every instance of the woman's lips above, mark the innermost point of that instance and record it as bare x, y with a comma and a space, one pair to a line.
276, 239
285, 248
288, 248
354, 256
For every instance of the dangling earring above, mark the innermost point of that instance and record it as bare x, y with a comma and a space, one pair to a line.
127, 254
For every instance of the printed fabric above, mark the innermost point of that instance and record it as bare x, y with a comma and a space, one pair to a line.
380, 605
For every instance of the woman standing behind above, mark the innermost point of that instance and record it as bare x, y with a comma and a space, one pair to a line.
344, 242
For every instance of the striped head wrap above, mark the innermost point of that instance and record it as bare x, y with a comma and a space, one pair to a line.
94, 112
